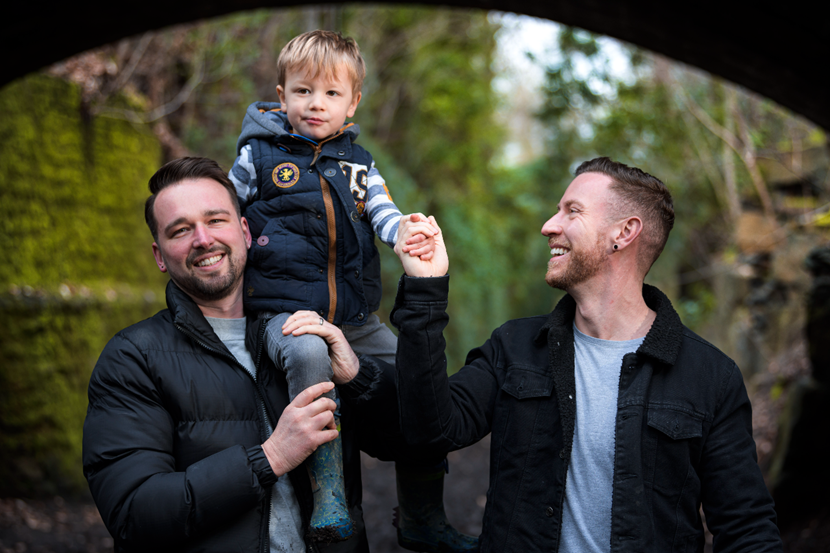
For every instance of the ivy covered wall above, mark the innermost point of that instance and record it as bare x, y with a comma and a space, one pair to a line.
77, 268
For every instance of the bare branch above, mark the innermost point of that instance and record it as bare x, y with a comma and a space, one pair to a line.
709, 166
743, 148
751, 161
161, 111
135, 58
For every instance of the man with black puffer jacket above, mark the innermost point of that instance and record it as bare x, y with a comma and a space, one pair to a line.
190, 442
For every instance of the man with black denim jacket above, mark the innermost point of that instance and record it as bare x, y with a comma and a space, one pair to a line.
611, 422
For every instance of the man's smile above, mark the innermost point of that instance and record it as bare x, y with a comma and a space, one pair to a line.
210, 261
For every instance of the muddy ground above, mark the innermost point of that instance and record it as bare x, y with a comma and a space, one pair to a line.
60, 526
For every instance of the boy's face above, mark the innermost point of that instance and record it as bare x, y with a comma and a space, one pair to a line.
318, 107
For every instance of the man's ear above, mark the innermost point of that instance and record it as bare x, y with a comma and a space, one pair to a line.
281, 94
353, 105
159, 258
247, 231
629, 230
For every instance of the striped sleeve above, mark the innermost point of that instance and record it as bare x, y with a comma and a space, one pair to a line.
381, 210
243, 176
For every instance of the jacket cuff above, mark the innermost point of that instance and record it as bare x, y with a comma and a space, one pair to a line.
261, 466
366, 381
423, 289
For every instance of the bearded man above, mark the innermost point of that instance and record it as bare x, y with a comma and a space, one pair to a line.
190, 441
611, 422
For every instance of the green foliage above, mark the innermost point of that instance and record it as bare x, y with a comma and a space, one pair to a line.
429, 102
638, 122
71, 195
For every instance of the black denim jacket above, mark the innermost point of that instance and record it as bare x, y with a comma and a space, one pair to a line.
683, 428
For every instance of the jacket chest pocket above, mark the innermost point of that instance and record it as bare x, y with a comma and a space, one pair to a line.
522, 383
671, 449
524, 414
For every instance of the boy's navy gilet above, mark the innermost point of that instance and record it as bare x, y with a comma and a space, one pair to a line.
311, 248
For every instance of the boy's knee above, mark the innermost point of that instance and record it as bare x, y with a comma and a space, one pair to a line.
311, 348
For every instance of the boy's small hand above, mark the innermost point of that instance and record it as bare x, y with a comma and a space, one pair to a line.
412, 232
422, 244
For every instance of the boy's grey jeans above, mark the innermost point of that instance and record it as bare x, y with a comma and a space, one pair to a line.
305, 359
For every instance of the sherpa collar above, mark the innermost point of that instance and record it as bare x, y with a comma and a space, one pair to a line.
662, 342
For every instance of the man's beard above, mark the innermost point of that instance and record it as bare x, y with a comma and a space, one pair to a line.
211, 287
582, 266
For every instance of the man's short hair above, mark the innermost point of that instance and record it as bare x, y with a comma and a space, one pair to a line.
182, 169
323, 52
642, 195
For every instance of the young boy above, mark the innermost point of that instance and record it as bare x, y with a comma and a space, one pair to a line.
314, 202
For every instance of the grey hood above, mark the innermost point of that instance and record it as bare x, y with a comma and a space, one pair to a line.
257, 125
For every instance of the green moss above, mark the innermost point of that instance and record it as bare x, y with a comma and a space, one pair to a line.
77, 269
71, 189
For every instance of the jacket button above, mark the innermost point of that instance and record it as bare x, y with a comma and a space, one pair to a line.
320, 271
319, 216
360, 316
329, 172
262, 240
357, 274
562, 454
341, 153
549, 511
310, 170
354, 216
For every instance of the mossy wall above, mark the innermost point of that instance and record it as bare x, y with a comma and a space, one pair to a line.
77, 268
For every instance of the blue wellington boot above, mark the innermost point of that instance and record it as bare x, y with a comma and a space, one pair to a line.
420, 518
330, 520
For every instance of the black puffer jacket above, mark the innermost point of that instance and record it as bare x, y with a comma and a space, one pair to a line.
173, 431
683, 428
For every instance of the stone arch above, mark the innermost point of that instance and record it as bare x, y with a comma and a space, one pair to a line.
772, 48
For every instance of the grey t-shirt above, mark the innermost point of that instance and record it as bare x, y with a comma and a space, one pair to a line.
286, 524
586, 517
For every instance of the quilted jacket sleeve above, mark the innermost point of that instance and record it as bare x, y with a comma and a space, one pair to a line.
128, 457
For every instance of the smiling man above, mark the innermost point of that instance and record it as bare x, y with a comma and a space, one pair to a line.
611, 422
190, 441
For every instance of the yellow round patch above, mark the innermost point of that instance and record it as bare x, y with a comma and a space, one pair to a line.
286, 175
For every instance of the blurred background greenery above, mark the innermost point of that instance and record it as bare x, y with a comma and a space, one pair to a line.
478, 118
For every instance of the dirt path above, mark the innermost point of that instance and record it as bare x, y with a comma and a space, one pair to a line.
58, 526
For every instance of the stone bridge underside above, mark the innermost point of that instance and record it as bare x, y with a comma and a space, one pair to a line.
778, 49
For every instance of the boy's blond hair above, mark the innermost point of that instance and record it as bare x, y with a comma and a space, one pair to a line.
323, 52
